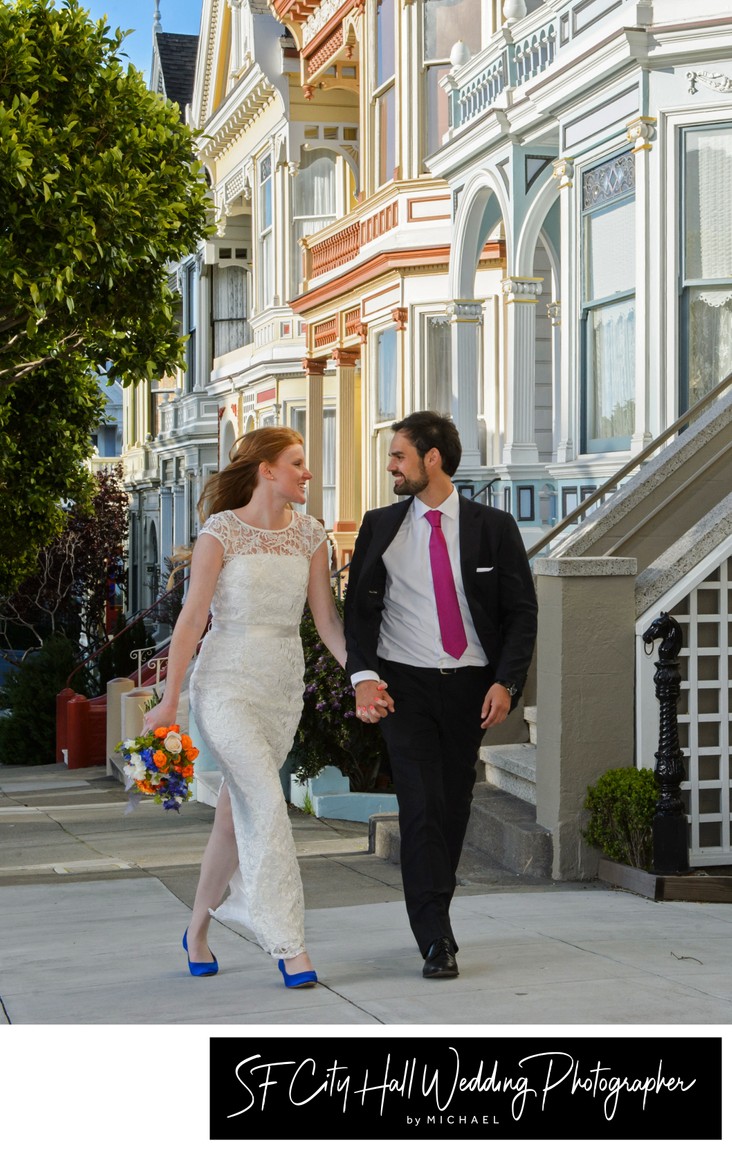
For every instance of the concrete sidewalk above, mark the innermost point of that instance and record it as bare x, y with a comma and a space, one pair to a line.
94, 903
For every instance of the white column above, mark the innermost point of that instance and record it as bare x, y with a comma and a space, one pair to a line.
642, 132
203, 327
166, 525
235, 59
314, 372
564, 174
520, 295
467, 319
347, 445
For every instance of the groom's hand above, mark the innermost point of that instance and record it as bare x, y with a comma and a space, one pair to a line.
373, 701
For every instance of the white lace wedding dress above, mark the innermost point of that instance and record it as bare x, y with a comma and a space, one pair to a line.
246, 693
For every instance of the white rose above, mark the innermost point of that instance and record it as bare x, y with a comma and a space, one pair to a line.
173, 743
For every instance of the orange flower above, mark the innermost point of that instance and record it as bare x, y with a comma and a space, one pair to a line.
187, 772
186, 741
161, 732
193, 754
145, 787
175, 728
160, 758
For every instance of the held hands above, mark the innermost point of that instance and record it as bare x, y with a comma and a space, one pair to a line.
372, 700
496, 706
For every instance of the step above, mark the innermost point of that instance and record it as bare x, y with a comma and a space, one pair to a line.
206, 787
512, 768
530, 717
504, 827
502, 834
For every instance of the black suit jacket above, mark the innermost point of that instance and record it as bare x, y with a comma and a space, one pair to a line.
502, 600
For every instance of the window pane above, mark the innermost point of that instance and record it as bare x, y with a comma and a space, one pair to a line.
609, 251
610, 370
438, 364
329, 463
708, 204
230, 327
386, 382
385, 108
315, 184
385, 55
709, 320
447, 21
436, 123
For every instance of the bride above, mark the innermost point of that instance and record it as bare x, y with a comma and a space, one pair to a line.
254, 564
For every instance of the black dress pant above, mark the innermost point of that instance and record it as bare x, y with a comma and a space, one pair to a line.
433, 738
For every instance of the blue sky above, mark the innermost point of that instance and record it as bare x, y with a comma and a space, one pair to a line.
176, 16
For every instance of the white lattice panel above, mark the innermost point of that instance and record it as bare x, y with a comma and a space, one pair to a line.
703, 607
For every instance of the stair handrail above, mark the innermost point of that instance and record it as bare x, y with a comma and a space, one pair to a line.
135, 619
631, 465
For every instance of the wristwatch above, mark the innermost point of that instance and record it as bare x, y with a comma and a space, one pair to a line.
510, 687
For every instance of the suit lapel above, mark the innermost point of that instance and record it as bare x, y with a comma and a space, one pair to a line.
387, 524
470, 531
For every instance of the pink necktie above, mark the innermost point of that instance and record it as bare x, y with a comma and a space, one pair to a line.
454, 639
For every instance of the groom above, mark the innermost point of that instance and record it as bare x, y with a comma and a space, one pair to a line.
441, 606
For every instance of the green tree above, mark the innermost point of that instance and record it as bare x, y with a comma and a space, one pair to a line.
99, 191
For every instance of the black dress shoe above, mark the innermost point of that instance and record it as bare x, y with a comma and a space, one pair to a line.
440, 961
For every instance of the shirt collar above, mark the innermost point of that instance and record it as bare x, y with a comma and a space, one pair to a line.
450, 507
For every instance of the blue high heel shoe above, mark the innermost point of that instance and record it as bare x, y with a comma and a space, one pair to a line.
293, 981
200, 969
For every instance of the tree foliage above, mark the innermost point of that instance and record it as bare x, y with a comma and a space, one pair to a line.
99, 191
68, 591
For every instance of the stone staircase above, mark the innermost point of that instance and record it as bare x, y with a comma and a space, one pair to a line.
502, 833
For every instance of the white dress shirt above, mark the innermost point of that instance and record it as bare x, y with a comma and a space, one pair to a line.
410, 629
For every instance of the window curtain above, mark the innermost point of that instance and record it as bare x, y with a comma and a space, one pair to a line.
231, 329
314, 203
611, 364
438, 364
708, 204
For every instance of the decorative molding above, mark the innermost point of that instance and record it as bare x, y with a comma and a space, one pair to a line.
362, 331
518, 289
563, 171
346, 357
325, 53
465, 311
717, 81
314, 366
400, 315
641, 132
554, 311
605, 182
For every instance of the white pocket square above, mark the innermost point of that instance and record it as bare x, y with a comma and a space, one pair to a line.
479, 569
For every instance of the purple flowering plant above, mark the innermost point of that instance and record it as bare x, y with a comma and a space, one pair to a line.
329, 732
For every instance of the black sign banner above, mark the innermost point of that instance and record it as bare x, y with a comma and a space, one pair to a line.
573, 1089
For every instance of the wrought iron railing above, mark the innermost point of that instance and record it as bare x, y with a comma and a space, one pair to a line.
95, 654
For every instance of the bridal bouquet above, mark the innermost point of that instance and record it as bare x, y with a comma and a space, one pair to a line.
160, 764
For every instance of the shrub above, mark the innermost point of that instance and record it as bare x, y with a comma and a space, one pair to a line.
622, 805
329, 732
28, 733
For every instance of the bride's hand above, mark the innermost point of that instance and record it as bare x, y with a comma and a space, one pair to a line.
161, 715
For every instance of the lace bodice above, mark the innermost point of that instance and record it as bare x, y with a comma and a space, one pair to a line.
246, 694
265, 573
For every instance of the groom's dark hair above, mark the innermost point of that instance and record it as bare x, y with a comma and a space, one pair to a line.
428, 429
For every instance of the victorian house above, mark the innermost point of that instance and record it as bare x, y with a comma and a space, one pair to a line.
517, 214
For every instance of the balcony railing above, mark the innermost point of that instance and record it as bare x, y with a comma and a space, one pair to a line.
520, 53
